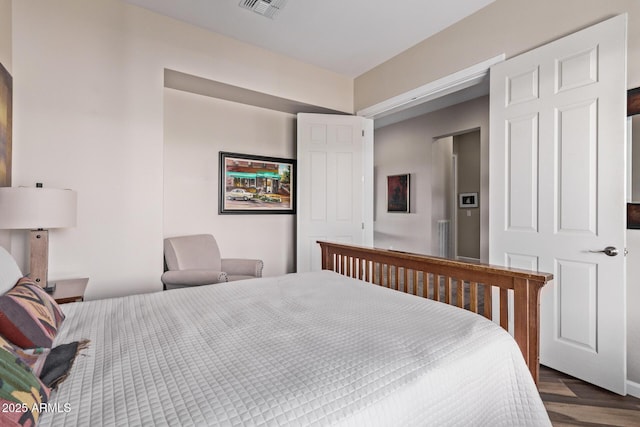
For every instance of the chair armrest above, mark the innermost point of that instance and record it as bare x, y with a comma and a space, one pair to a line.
242, 267
193, 277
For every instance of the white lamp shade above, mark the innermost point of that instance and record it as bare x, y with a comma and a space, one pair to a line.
32, 208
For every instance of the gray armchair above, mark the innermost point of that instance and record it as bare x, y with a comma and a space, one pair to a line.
195, 260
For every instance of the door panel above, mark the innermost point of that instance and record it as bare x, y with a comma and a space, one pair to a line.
577, 188
522, 166
557, 189
577, 290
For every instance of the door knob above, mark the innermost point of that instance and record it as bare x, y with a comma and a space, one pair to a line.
609, 250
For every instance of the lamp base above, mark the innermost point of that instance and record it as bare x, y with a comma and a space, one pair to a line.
39, 259
50, 288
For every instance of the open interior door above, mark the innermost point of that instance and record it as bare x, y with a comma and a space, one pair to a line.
335, 184
557, 190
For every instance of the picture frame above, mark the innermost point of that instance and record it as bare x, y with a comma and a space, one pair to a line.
398, 193
6, 113
633, 216
468, 200
253, 184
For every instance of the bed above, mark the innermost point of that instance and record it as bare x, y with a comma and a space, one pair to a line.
319, 348
316, 349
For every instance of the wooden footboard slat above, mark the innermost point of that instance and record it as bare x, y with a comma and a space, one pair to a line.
460, 293
473, 297
447, 290
488, 309
408, 282
366, 271
396, 284
504, 309
427, 277
524, 285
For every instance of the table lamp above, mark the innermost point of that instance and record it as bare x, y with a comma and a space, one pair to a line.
38, 209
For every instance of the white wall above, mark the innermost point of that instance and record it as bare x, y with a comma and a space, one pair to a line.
405, 147
88, 115
196, 129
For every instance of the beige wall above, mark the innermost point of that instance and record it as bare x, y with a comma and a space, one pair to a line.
505, 26
406, 147
89, 116
196, 129
5, 60
467, 147
5, 33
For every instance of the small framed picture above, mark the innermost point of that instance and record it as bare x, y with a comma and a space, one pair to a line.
633, 216
468, 200
398, 193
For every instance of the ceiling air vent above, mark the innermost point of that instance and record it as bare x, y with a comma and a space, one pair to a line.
268, 8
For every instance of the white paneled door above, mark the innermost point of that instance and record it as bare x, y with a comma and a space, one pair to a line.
335, 184
557, 188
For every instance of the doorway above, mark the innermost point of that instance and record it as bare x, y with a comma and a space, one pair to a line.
456, 196
466, 149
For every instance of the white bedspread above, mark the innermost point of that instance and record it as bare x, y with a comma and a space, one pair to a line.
302, 349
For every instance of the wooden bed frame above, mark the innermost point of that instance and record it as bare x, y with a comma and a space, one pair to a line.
406, 272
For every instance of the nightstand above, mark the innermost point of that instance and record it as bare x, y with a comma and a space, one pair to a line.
70, 290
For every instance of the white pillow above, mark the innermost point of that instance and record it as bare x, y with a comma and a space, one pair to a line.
9, 271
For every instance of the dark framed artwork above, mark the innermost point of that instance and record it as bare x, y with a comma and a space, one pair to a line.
633, 101
633, 216
6, 113
468, 200
251, 184
398, 187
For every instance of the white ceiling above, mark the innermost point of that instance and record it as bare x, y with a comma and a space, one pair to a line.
349, 37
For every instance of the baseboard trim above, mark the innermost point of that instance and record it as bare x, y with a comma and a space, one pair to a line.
633, 389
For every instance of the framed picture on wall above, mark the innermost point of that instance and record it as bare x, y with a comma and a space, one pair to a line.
252, 184
398, 193
468, 200
6, 103
633, 216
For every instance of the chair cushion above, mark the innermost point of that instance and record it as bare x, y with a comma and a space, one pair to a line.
193, 277
29, 317
9, 271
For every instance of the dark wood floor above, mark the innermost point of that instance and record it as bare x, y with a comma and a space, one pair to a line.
571, 402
